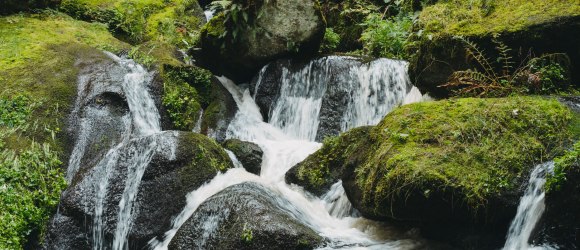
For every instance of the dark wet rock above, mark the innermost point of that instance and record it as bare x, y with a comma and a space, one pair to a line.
220, 112
269, 30
438, 58
248, 153
245, 216
180, 162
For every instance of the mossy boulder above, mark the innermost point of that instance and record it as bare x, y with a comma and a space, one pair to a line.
537, 27
561, 219
180, 163
245, 216
248, 153
457, 162
238, 43
140, 21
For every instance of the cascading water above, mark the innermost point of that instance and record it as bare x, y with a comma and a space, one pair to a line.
530, 210
138, 144
288, 139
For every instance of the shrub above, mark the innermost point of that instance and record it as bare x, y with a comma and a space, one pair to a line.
330, 42
387, 37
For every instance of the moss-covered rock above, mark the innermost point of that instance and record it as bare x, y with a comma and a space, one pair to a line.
139, 21
180, 163
458, 161
41, 57
538, 26
240, 41
561, 219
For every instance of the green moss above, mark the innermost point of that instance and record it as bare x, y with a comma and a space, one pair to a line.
209, 159
38, 79
168, 21
37, 59
563, 165
215, 26
473, 18
322, 169
473, 149
187, 90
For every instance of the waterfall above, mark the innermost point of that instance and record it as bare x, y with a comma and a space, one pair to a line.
363, 93
530, 210
289, 139
138, 144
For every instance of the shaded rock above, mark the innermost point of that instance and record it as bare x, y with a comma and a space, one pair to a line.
245, 216
438, 58
220, 112
180, 162
266, 31
424, 164
333, 158
248, 153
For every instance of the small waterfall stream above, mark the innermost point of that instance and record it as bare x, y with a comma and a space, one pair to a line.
289, 138
530, 210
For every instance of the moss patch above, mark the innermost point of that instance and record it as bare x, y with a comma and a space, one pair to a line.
38, 79
463, 151
472, 18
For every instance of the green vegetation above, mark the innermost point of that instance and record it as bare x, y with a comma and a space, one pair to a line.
247, 234
474, 149
30, 177
330, 42
500, 77
169, 21
38, 54
387, 37
479, 17
186, 91
562, 165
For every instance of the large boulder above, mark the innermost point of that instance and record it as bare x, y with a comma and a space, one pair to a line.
535, 27
341, 85
451, 166
239, 43
180, 162
248, 153
245, 216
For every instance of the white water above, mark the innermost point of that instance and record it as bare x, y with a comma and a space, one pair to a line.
287, 143
530, 211
138, 143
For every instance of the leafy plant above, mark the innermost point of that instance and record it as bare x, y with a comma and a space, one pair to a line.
330, 41
500, 77
247, 235
387, 37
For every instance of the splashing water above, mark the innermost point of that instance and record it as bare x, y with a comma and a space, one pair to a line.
286, 142
530, 210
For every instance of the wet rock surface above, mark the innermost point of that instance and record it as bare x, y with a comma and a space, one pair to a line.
245, 216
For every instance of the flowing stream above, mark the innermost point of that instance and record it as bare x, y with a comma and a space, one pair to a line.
287, 143
530, 211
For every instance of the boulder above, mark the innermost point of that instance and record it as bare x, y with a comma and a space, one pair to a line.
240, 42
245, 216
248, 153
528, 30
219, 113
452, 167
180, 162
